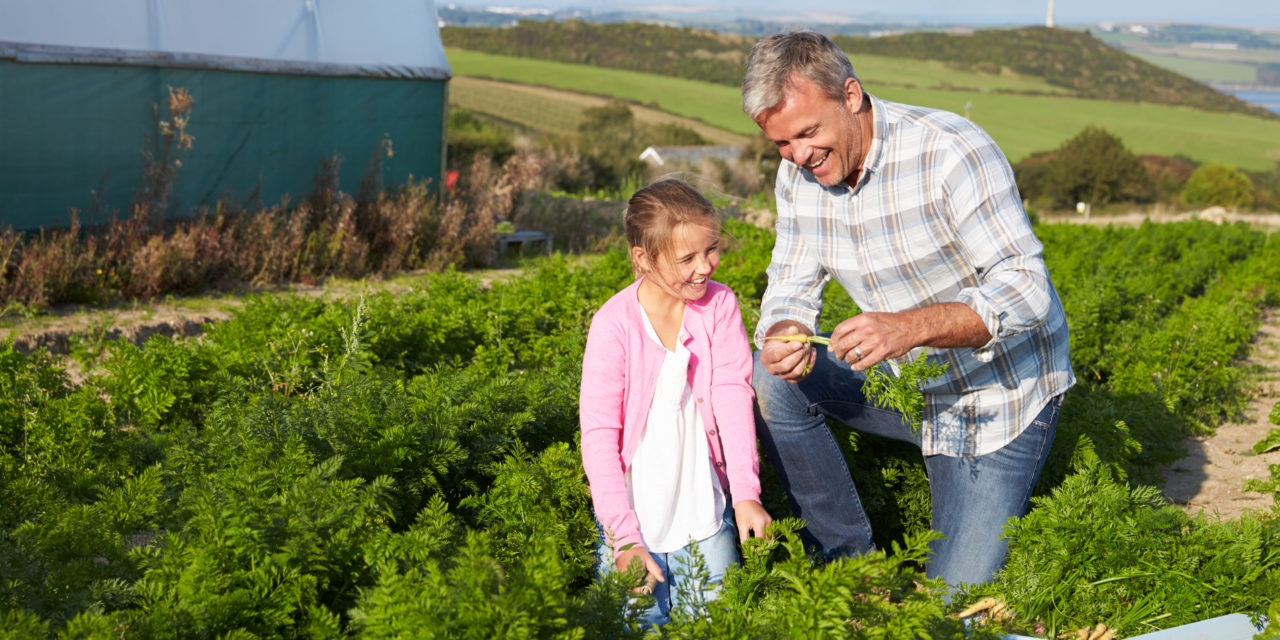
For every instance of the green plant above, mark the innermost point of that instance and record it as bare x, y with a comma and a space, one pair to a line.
1099, 551
1217, 184
902, 391
1269, 443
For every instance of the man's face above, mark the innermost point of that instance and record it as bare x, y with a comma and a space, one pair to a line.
820, 134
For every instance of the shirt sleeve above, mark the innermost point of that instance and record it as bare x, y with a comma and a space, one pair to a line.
601, 414
732, 395
796, 277
1014, 293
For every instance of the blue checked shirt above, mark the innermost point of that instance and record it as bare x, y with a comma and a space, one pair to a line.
935, 217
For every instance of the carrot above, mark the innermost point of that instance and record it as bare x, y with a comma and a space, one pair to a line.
800, 337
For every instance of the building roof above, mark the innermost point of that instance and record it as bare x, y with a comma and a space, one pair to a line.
689, 154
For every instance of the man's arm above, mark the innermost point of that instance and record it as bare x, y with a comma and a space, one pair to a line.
796, 278
1014, 293
792, 301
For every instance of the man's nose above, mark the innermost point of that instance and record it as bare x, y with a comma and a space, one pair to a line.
800, 153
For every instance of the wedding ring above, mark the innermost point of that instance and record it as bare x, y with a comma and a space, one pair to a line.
857, 352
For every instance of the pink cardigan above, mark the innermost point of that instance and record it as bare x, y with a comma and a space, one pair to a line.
619, 370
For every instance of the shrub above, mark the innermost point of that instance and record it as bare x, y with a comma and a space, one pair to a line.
1168, 174
1217, 184
469, 136
1093, 167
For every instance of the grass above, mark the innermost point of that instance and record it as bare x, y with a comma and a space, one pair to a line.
558, 111
1203, 70
935, 74
714, 104
1021, 124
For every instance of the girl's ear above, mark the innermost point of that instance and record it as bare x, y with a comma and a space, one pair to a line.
640, 259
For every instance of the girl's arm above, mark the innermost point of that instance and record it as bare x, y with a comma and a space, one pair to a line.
601, 413
733, 397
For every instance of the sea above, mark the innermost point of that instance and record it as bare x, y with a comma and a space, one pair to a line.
1269, 100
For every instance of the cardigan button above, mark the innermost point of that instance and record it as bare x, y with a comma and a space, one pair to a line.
699, 400
711, 432
720, 464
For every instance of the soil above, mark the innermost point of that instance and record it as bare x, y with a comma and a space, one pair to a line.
1211, 477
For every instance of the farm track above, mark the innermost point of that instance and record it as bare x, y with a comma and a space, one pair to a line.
1211, 477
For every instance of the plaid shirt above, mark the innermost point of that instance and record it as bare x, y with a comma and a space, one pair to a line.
935, 217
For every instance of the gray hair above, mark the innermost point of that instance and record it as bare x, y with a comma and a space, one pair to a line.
775, 60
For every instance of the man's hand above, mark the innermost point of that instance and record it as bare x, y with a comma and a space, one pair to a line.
871, 337
868, 338
751, 519
637, 553
790, 361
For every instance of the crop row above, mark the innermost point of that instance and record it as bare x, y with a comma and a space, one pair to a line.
407, 465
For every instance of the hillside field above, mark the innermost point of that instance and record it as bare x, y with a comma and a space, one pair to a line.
1021, 124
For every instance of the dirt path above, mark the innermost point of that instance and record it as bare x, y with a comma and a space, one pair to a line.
1211, 477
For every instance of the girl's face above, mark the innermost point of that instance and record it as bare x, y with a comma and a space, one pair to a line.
695, 254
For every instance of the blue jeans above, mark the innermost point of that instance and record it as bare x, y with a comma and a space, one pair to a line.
972, 497
681, 591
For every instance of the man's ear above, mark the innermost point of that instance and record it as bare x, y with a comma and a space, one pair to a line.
853, 94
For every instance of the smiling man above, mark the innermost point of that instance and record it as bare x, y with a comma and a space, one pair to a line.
914, 211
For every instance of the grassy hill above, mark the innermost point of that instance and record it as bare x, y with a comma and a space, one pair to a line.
1022, 124
1052, 61
1072, 60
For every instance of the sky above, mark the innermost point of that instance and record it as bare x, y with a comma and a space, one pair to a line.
1237, 13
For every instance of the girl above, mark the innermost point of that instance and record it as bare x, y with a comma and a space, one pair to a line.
668, 433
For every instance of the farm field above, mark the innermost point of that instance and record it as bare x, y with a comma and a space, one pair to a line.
558, 111
1204, 70
360, 467
1021, 124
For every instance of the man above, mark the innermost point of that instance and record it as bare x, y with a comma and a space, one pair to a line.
915, 213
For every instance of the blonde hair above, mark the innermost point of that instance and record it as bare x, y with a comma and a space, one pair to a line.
654, 213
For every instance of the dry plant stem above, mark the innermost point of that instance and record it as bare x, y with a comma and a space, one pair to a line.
800, 337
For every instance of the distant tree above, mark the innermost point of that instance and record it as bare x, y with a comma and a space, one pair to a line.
610, 140
1217, 184
1095, 167
670, 134
469, 136
1168, 174
1266, 189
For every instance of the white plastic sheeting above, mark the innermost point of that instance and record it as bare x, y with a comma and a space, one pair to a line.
396, 38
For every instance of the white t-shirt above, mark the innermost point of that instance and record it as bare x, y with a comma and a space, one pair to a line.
679, 497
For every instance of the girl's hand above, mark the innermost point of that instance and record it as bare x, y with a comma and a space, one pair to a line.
653, 574
751, 518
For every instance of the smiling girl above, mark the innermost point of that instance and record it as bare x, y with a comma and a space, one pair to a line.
668, 435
